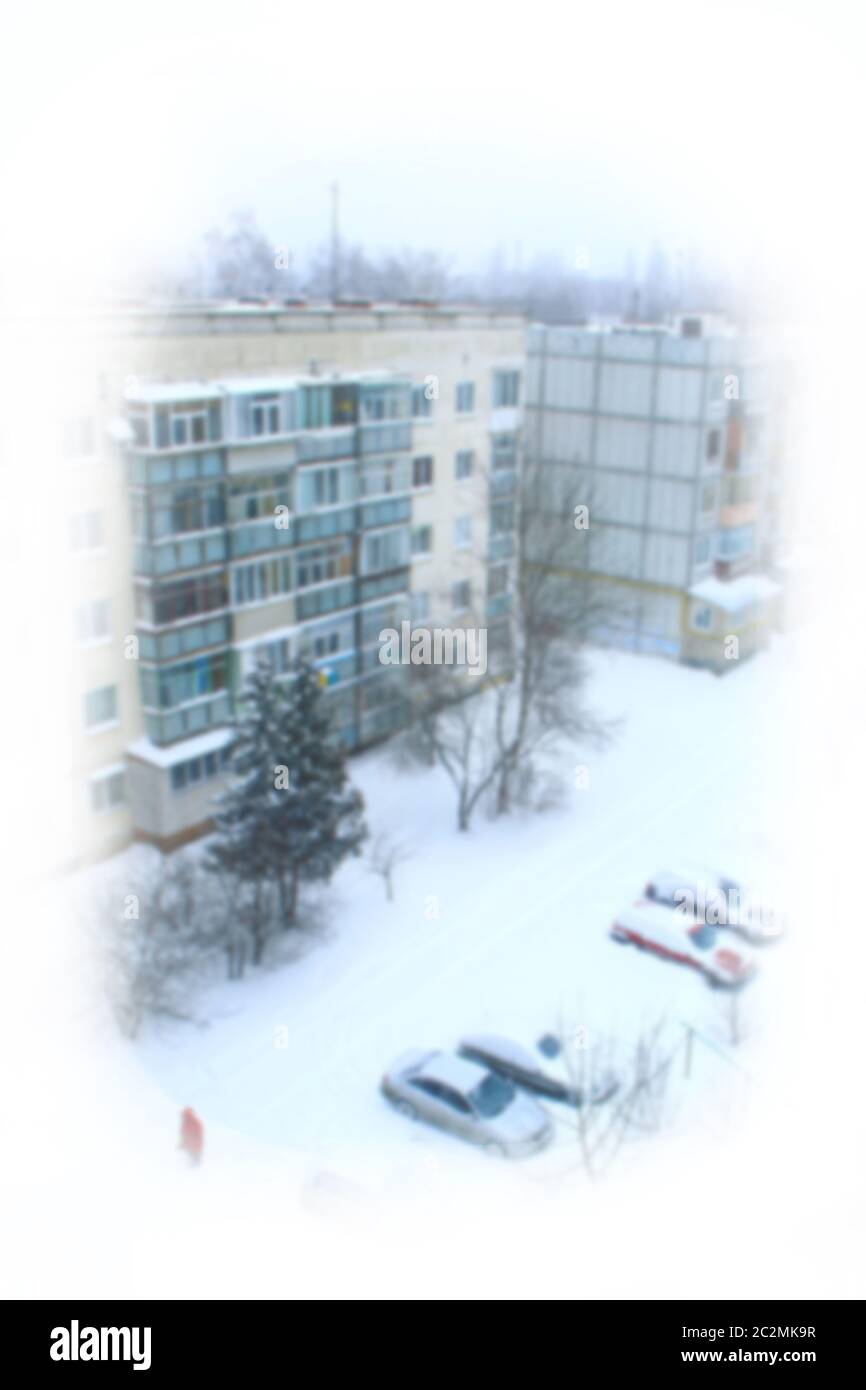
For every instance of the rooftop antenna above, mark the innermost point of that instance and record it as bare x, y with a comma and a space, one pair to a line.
335, 242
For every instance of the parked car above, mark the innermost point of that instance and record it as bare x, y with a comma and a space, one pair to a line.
719, 901
468, 1100
525, 1069
670, 933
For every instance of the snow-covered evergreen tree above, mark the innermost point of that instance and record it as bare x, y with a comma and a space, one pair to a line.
289, 813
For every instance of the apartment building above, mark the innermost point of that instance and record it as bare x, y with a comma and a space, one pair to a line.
668, 433
265, 481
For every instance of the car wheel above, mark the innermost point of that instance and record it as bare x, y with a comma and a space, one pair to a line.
406, 1110
712, 980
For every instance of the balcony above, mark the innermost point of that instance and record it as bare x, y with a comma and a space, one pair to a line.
171, 725
170, 557
738, 514
383, 437
501, 547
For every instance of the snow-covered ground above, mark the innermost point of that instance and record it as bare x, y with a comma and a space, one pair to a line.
501, 930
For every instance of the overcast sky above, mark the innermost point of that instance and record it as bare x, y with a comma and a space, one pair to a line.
459, 126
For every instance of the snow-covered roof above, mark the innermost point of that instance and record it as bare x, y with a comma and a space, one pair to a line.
645, 913
453, 1071
197, 747
509, 1051
735, 594
120, 431
243, 386
171, 392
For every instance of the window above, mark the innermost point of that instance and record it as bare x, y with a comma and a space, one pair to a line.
714, 443
326, 487
107, 790
702, 617
170, 686
326, 645
465, 396
85, 531
462, 532
265, 415
384, 550
422, 471
464, 463
506, 388
186, 598
501, 518
497, 580
100, 706
383, 476
195, 770
741, 490
253, 499
422, 540
504, 452
79, 438
420, 607
91, 621
316, 407
188, 425
735, 541
268, 579
322, 563
389, 402
276, 655
461, 595
709, 497
449, 1096
422, 404
702, 550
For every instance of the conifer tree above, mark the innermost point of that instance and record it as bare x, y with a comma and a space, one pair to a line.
289, 813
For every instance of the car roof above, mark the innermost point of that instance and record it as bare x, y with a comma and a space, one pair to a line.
503, 1048
689, 874
645, 913
452, 1071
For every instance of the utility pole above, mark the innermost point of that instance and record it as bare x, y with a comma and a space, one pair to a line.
335, 242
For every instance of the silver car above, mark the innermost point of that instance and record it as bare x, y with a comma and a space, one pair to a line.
469, 1100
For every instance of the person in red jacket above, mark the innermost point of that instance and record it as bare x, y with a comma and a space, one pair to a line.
191, 1134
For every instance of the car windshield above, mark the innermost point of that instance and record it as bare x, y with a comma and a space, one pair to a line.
491, 1096
703, 936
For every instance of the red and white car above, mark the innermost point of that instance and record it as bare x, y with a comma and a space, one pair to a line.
675, 935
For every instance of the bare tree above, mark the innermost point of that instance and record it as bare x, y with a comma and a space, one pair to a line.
557, 608
492, 736
155, 941
450, 726
383, 856
239, 260
616, 1093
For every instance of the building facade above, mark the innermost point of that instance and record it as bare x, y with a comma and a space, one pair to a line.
263, 482
667, 432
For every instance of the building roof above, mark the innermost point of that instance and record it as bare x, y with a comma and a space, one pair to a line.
172, 392
196, 747
733, 595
